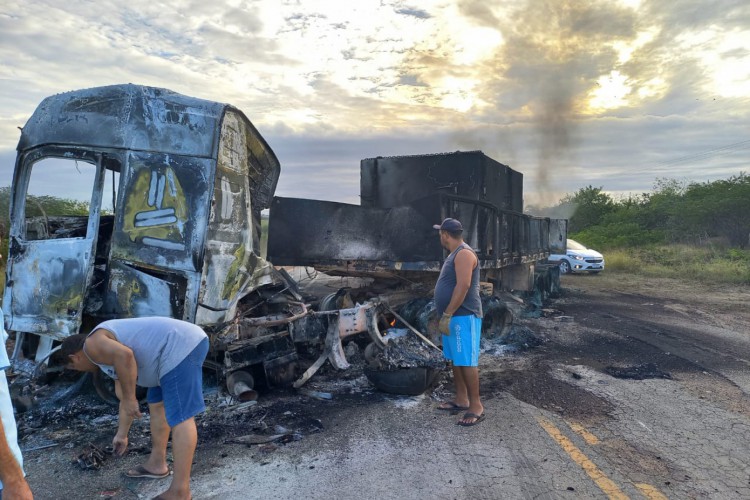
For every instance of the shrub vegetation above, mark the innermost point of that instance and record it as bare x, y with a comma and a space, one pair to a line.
697, 230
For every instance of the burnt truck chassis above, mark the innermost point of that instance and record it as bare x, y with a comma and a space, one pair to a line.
183, 238
268, 345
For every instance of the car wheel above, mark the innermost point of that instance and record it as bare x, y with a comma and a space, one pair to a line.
564, 267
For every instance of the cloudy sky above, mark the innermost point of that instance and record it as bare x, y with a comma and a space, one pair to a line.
612, 93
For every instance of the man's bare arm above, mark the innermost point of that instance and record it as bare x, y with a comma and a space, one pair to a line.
120, 441
14, 484
103, 349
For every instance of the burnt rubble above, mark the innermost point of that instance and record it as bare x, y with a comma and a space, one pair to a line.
408, 351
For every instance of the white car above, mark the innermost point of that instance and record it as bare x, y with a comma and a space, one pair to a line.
579, 259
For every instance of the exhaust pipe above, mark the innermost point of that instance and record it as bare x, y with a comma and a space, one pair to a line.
240, 385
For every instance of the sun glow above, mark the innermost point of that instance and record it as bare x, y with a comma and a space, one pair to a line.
458, 93
612, 92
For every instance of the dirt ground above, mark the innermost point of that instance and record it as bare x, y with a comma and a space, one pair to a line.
624, 387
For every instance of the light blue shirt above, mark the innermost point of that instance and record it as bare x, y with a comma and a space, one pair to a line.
6, 406
159, 344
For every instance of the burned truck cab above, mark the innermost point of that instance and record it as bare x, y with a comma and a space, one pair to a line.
134, 201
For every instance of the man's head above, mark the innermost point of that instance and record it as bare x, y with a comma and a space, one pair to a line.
72, 353
451, 232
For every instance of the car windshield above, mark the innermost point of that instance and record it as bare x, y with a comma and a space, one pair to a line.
574, 245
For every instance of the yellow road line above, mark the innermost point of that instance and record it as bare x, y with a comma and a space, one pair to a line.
586, 435
650, 492
602, 481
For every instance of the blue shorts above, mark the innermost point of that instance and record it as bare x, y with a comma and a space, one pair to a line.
181, 389
462, 345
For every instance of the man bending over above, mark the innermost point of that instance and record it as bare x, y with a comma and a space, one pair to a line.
165, 355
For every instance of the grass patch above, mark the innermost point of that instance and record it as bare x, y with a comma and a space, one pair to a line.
709, 264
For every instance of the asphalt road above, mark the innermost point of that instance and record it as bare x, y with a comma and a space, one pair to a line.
632, 395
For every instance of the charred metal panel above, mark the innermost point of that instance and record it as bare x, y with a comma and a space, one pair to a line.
312, 232
133, 292
128, 117
518, 277
311, 329
164, 202
558, 236
516, 190
399, 180
244, 150
359, 241
538, 234
479, 222
258, 350
246, 175
47, 285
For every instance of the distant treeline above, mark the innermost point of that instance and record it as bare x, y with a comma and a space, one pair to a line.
675, 212
39, 206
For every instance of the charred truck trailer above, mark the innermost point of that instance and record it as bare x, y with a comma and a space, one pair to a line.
390, 239
136, 201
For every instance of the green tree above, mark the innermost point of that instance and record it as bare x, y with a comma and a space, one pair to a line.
721, 208
591, 206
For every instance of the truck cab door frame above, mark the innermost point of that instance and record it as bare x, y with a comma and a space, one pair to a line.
46, 279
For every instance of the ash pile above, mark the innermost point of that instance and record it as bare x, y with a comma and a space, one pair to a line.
403, 350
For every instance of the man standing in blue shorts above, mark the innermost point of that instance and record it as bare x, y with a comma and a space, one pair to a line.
165, 355
460, 308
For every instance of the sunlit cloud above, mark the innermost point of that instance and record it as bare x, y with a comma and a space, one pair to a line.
725, 55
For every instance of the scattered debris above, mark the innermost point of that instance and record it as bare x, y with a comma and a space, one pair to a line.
251, 439
42, 447
637, 372
92, 457
241, 406
323, 396
518, 338
416, 332
109, 493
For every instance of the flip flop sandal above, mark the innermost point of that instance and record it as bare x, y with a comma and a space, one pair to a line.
477, 419
142, 472
453, 407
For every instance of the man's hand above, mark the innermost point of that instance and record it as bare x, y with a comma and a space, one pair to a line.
444, 326
119, 444
130, 408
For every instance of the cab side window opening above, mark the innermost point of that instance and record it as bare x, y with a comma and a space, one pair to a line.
58, 197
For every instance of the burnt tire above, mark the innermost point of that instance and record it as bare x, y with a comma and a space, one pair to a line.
498, 318
105, 388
